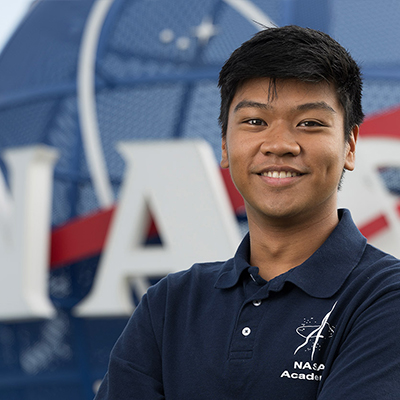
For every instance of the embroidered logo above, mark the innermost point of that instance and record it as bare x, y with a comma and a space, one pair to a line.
314, 333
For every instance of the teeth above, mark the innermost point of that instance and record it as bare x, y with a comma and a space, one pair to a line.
279, 174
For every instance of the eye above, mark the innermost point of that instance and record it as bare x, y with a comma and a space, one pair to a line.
255, 121
310, 124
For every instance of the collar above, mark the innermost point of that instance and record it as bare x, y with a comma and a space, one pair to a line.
322, 274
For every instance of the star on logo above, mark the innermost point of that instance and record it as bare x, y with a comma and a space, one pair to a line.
205, 31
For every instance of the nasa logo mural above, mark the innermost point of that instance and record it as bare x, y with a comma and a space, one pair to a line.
91, 90
120, 71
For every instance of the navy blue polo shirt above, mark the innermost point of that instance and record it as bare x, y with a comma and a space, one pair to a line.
327, 329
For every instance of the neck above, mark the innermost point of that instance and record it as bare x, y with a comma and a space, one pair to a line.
276, 246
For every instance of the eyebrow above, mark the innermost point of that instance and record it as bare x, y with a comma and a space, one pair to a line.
251, 104
319, 105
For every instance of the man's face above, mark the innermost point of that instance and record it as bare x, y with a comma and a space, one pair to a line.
286, 155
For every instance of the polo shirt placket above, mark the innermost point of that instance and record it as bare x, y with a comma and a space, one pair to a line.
251, 314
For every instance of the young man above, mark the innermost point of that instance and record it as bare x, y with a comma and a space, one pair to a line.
306, 309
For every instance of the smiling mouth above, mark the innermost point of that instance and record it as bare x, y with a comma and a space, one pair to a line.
280, 174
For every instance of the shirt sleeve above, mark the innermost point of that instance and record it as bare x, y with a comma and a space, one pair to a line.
134, 371
367, 365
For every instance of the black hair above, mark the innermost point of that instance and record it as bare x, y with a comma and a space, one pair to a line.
292, 52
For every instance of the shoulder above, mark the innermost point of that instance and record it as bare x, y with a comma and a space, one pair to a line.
374, 282
179, 296
379, 266
200, 278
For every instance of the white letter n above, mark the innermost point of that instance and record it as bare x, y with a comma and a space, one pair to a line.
25, 232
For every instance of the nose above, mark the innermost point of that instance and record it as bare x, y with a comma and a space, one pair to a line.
280, 141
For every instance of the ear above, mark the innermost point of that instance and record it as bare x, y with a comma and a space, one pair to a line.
351, 149
224, 157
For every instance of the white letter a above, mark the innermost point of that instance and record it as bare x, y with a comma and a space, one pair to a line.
180, 183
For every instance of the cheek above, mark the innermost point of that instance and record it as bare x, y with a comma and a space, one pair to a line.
235, 149
240, 160
325, 154
332, 160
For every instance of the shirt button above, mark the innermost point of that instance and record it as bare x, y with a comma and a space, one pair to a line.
246, 331
257, 303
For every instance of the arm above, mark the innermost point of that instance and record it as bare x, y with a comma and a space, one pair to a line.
367, 364
134, 371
